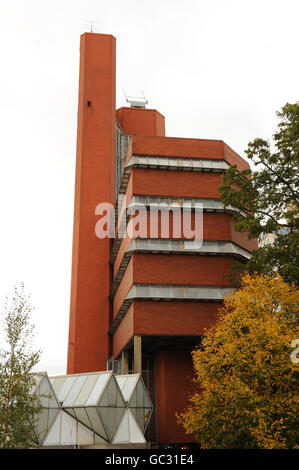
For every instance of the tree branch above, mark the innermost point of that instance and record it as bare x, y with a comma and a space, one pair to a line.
295, 193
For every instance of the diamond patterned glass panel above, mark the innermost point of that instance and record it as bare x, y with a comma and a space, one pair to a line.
111, 391
120, 399
140, 394
123, 431
147, 403
121, 381
68, 430
53, 436
133, 401
85, 436
44, 389
140, 418
82, 416
70, 411
96, 422
147, 415
104, 398
52, 415
42, 426
111, 417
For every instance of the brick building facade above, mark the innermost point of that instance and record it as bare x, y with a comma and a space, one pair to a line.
144, 301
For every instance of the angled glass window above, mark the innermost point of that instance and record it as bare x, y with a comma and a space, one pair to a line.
96, 422
71, 411
68, 430
44, 389
42, 425
57, 383
74, 391
53, 413
111, 417
140, 394
53, 437
129, 386
98, 389
86, 390
63, 392
122, 434
84, 435
81, 415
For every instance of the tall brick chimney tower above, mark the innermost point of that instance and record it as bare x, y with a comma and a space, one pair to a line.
95, 183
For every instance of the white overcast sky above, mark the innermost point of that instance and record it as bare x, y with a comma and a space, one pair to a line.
217, 69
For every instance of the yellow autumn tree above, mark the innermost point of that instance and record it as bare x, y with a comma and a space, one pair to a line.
247, 394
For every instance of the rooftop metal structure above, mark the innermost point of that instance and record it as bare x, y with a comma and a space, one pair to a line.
136, 101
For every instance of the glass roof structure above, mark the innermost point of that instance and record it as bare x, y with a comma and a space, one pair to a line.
92, 408
93, 399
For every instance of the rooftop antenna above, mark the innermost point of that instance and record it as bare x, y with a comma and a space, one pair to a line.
92, 26
136, 101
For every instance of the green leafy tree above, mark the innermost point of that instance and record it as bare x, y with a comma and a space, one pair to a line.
19, 406
247, 382
268, 198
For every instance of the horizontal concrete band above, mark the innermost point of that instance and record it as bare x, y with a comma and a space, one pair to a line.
171, 203
197, 164
182, 247
171, 163
167, 203
168, 293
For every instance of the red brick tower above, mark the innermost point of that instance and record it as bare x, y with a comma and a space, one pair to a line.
95, 182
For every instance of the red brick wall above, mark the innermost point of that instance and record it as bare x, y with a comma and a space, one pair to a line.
178, 147
149, 317
151, 182
189, 148
173, 318
180, 269
141, 121
234, 159
174, 372
172, 269
216, 227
